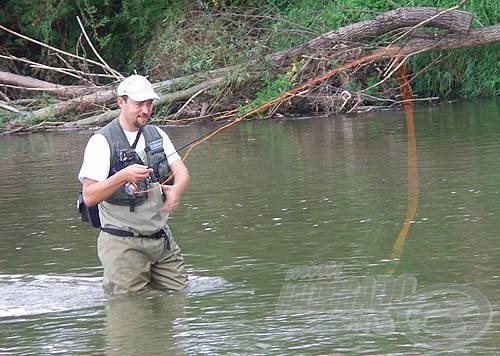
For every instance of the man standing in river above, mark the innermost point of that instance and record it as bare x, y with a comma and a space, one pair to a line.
124, 169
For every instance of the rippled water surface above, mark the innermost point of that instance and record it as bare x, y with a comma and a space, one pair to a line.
293, 233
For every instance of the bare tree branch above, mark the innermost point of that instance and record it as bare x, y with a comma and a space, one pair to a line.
106, 65
51, 47
164, 100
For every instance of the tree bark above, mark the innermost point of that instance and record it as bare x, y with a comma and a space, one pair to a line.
164, 99
82, 102
104, 96
478, 37
32, 84
454, 20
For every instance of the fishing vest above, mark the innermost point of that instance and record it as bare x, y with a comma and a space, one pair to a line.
154, 157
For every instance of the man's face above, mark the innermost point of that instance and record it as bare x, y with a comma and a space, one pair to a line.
136, 113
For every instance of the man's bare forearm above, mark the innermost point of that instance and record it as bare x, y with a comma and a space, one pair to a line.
181, 176
95, 192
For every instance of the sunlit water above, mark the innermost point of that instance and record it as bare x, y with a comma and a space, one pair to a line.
267, 197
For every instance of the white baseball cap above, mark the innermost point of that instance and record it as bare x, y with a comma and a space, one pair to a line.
137, 88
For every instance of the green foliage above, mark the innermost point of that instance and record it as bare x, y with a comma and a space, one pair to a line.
370, 83
191, 42
456, 74
7, 117
272, 87
116, 28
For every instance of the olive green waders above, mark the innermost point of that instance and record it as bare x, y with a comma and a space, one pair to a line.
136, 264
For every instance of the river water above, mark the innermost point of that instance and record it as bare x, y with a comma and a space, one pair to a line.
294, 237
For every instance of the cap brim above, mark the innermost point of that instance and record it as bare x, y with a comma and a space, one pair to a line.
143, 96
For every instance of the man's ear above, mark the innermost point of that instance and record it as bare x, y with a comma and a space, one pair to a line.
120, 101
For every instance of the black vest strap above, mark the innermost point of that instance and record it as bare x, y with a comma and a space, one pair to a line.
137, 138
131, 198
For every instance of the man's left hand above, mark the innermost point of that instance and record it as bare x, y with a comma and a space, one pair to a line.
172, 200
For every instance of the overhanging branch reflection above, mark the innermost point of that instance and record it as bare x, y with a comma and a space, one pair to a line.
412, 168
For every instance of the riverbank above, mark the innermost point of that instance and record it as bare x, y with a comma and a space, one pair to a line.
193, 46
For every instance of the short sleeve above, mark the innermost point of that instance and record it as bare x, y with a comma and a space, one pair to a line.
96, 159
168, 147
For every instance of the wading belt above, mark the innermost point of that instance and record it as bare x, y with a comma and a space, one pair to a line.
123, 233
155, 236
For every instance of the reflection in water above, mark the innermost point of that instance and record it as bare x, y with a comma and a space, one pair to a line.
398, 247
128, 320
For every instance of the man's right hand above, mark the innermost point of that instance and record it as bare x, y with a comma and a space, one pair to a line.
135, 173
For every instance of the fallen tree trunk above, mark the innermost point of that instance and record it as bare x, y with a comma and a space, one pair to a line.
478, 37
165, 99
32, 84
104, 96
451, 20
81, 102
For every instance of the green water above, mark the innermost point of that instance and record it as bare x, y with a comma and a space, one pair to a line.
266, 197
